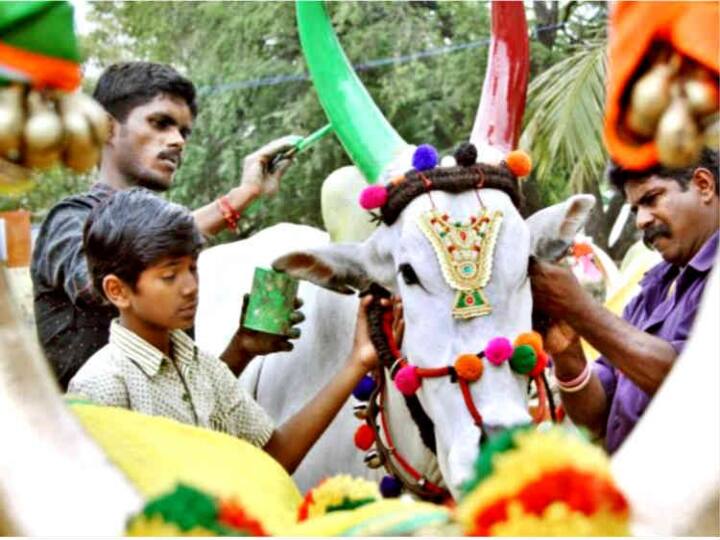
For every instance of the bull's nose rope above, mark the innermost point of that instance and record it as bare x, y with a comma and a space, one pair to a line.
525, 356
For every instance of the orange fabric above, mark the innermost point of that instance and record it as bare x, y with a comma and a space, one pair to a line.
43, 71
692, 28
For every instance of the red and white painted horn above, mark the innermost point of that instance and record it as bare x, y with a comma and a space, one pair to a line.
499, 115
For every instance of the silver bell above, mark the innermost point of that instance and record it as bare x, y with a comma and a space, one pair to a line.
360, 411
373, 459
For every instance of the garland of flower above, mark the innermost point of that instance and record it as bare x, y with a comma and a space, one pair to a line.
190, 512
341, 492
542, 483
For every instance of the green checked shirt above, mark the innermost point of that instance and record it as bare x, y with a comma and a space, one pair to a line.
192, 387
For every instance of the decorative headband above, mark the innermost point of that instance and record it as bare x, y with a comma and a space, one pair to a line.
426, 175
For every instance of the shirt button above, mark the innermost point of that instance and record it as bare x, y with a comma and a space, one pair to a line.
185, 397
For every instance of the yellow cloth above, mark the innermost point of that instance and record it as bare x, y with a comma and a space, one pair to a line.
156, 453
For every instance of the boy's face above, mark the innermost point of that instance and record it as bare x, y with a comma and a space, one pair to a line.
165, 295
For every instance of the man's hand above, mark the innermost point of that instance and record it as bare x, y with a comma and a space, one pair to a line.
255, 167
246, 344
556, 291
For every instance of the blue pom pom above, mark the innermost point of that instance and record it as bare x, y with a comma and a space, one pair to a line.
364, 388
390, 486
425, 157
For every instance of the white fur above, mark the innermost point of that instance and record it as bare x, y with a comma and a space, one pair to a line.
433, 337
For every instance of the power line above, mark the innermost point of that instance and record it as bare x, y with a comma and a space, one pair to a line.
365, 66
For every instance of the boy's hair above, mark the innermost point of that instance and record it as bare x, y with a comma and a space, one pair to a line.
134, 229
708, 160
124, 86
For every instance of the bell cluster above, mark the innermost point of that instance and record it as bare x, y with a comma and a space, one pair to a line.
39, 129
675, 103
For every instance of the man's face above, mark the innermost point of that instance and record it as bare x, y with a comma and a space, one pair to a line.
166, 294
147, 147
667, 215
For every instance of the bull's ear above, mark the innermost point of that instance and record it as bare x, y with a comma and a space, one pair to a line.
552, 229
340, 267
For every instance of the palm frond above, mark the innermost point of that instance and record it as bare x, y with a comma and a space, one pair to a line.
563, 121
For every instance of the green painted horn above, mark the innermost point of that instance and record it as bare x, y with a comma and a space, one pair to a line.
367, 136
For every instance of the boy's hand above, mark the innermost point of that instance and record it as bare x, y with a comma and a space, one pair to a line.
247, 344
363, 353
255, 166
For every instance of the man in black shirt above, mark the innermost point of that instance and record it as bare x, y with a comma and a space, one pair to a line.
152, 108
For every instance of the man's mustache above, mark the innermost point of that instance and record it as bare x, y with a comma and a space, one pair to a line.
653, 233
173, 155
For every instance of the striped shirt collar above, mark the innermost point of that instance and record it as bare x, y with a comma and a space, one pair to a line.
147, 356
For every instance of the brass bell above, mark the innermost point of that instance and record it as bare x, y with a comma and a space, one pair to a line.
43, 130
11, 120
677, 139
702, 95
373, 459
360, 411
649, 99
711, 133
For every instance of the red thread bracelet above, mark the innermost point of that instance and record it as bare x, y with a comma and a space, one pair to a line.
230, 215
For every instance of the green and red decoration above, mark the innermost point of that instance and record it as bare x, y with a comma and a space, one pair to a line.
190, 512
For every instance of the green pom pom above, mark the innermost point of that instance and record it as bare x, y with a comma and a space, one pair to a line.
523, 359
186, 507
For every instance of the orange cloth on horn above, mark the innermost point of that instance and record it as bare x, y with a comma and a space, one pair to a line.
692, 28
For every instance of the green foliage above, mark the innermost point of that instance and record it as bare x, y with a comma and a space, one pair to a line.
221, 46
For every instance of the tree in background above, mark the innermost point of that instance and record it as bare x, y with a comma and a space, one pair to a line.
246, 61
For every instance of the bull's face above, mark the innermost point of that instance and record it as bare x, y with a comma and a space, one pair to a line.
401, 258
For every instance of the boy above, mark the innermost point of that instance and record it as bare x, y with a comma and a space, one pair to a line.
142, 252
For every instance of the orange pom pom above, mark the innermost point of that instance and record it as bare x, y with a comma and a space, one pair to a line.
533, 339
469, 367
519, 163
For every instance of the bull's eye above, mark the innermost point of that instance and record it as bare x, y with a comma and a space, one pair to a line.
408, 274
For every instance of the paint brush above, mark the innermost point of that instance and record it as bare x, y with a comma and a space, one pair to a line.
299, 147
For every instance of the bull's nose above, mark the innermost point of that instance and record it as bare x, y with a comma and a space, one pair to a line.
492, 430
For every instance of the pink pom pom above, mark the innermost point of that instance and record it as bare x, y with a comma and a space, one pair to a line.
498, 350
407, 381
373, 197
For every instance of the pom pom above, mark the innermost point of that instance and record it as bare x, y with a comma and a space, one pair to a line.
466, 154
498, 350
523, 359
373, 197
519, 163
540, 364
425, 157
469, 367
390, 486
533, 339
364, 437
407, 381
364, 388
341, 492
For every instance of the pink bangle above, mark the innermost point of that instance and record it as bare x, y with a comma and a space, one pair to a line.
578, 383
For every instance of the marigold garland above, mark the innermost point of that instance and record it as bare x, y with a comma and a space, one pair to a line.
341, 492
542, 483
190, 512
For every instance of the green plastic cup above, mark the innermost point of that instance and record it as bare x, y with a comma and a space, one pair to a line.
271, 302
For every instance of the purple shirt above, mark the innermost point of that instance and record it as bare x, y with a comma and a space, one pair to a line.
669, 317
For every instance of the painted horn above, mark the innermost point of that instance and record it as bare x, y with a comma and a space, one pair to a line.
367, 136
499, 115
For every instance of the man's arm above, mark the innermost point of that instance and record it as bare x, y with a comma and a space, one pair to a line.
291, 442
588, 407
257, 180
62, 262
645, 359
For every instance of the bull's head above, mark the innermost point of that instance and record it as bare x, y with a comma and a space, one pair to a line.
399, 254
